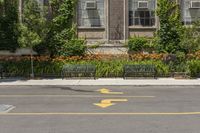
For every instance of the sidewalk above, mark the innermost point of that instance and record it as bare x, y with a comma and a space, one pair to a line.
102, 81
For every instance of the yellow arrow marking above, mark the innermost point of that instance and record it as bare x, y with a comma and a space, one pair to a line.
107, 91
108, 102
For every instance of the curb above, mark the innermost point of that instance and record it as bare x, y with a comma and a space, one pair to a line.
113, 81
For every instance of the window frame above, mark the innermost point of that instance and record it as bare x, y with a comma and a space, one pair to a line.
80, 26
153, 26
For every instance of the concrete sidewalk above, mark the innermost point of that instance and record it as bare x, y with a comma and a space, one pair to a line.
102, 81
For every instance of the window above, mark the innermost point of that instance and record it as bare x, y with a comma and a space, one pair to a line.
190, 11
91, 16
144, 16
195, 4
46, 2
42, 1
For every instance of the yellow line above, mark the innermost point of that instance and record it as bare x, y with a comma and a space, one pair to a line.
75, 96
87, 114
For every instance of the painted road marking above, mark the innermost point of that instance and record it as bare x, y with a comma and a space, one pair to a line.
6, 108
108, 102
74, 96
95, 114
107, 91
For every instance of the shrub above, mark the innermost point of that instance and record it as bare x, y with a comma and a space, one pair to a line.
104, 68
181, 57
195, 55
193, 68
136, 44
17, 68
190, 40
74, 47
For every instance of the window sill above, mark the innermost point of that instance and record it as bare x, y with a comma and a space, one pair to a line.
91, 28
141, 27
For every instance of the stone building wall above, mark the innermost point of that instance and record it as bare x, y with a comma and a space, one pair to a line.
116, 19
115, 24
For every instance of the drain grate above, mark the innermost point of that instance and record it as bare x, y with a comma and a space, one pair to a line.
6, 108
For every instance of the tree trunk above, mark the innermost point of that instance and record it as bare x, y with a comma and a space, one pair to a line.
20, 11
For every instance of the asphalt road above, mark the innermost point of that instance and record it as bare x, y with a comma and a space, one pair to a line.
116, 109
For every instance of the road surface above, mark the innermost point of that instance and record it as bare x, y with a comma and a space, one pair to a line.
100, 109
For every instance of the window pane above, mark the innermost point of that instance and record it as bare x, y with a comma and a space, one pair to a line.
141, 13
136, 14
142, 22
142, 17
93, 17
130, 18
147, 14
137, 21
147, 22
188, 14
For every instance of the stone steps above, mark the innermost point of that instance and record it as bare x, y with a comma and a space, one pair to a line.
108, 48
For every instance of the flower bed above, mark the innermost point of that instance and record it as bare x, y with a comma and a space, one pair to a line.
106, 65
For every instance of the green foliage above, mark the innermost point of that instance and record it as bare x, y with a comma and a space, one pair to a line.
177, 62
32, 30
194, 68
139, 44
8, 21
27, 37
104, 68
136, 44
21, 68
181, 57
170, 26
61, 28
74, 47
190, 40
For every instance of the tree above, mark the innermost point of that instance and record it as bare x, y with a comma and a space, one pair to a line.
32, 29
170, 26
61, 29
8, 22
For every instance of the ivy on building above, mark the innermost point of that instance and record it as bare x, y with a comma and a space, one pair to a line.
170, 30
61, 27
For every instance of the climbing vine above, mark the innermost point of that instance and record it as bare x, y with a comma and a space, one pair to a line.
170, 26
62, 28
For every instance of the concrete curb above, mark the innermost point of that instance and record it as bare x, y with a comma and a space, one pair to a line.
110, 81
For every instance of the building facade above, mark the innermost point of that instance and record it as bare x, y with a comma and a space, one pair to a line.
109, 20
